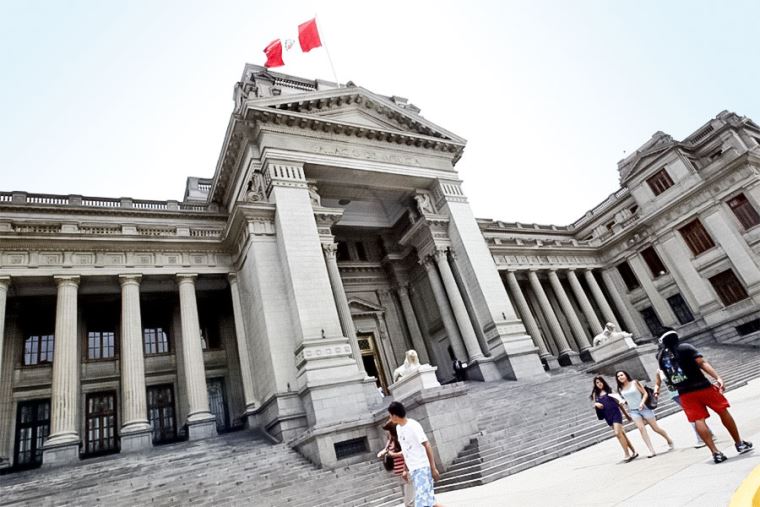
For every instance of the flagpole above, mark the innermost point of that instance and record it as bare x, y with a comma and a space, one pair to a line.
329, 58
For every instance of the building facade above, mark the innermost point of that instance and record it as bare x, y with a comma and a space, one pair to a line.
334, 235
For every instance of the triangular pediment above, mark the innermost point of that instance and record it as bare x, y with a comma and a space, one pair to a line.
359, 306
358, 107
646, 155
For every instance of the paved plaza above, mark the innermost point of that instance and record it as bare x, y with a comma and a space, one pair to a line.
595, 476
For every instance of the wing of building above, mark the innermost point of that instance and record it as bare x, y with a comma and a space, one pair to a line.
282, 293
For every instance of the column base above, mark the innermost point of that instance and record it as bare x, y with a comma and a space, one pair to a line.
569, 358
550, 362
483, 370
60, 454
136, 440
200, 429
587, 356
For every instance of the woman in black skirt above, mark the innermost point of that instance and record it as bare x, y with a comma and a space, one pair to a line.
609, 408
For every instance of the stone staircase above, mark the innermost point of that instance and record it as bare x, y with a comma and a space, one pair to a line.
522, 424
526, 424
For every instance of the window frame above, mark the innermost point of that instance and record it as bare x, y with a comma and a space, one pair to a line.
624, 276
681, 309
723, 290
113, 347
653, 260
660, 181
744, 211
163, 330
49, 340
696, 237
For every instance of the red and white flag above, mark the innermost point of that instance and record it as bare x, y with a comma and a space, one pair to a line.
308, 38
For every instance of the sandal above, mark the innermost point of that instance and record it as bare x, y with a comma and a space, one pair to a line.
631, 458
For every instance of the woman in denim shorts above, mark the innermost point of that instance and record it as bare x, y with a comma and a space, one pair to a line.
635, 396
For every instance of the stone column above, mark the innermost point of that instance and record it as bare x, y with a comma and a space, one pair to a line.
530, 322
341, 302
601, 301
661, 307
62, 446
411, 324
586, 307
246, 371
443, 307
201, 422
569, 311
738, 251
135, 431
628, 319
693, 287
458, 306
5, 281
566, 355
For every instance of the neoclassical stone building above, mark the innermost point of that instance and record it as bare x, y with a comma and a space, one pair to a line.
333, 236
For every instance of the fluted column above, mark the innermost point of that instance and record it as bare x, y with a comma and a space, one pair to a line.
341, 302
565, 354
411, 324
527, 316
135, 430
246, 372
62, 446
5, 281
567, 308
601, 301
445, 310
457, 305
622, 307
586, 308
200, 420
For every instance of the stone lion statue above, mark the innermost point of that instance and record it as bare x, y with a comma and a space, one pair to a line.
610, 333
411, 365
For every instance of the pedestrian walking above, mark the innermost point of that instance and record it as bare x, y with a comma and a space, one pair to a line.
660, 379
636, 397
685, 368
418, 455
609, 407
393, 449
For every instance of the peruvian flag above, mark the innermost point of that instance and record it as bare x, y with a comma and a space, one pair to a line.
308, 38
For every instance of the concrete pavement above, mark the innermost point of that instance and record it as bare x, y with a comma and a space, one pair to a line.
595, 476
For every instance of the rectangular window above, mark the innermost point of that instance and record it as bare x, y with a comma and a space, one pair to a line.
652, 321
156, 341
744, 211
631, 282
161, 413
696, 237
753, 326
729, 288
656, 267
361, 252
660, 182
32, 429
680, 309
101, 345
343, 253
101, 423
38, 349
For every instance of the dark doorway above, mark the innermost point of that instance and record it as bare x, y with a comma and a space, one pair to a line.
32, 428
161, 416
217, 403
101, 436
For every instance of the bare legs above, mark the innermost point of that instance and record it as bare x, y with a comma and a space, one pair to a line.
656, 427
617, 428
644, 435
706, 435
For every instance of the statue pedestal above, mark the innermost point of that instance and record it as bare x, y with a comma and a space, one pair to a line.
639, 361
413, 383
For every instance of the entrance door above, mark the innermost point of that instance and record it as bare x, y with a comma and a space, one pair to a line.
161, 413
32, 428
373, 365
101, 423
216, 402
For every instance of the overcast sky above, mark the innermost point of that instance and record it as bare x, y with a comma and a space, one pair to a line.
105, 98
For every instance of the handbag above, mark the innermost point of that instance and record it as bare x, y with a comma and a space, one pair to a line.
388, 462
651, 402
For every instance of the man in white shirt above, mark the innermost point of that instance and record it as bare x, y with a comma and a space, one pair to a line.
418, 455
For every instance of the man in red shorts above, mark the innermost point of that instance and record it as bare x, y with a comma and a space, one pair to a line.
684, 366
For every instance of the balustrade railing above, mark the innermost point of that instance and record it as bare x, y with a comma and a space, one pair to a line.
100, 202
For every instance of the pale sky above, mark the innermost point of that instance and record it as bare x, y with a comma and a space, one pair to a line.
111, 99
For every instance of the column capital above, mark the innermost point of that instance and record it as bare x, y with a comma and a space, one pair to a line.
130, 279
186, 277
403, 289
330, 250
426, 262
440, 252
64, 280
5, 281
232, 277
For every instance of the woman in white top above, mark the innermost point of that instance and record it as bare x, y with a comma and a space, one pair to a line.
636, 397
